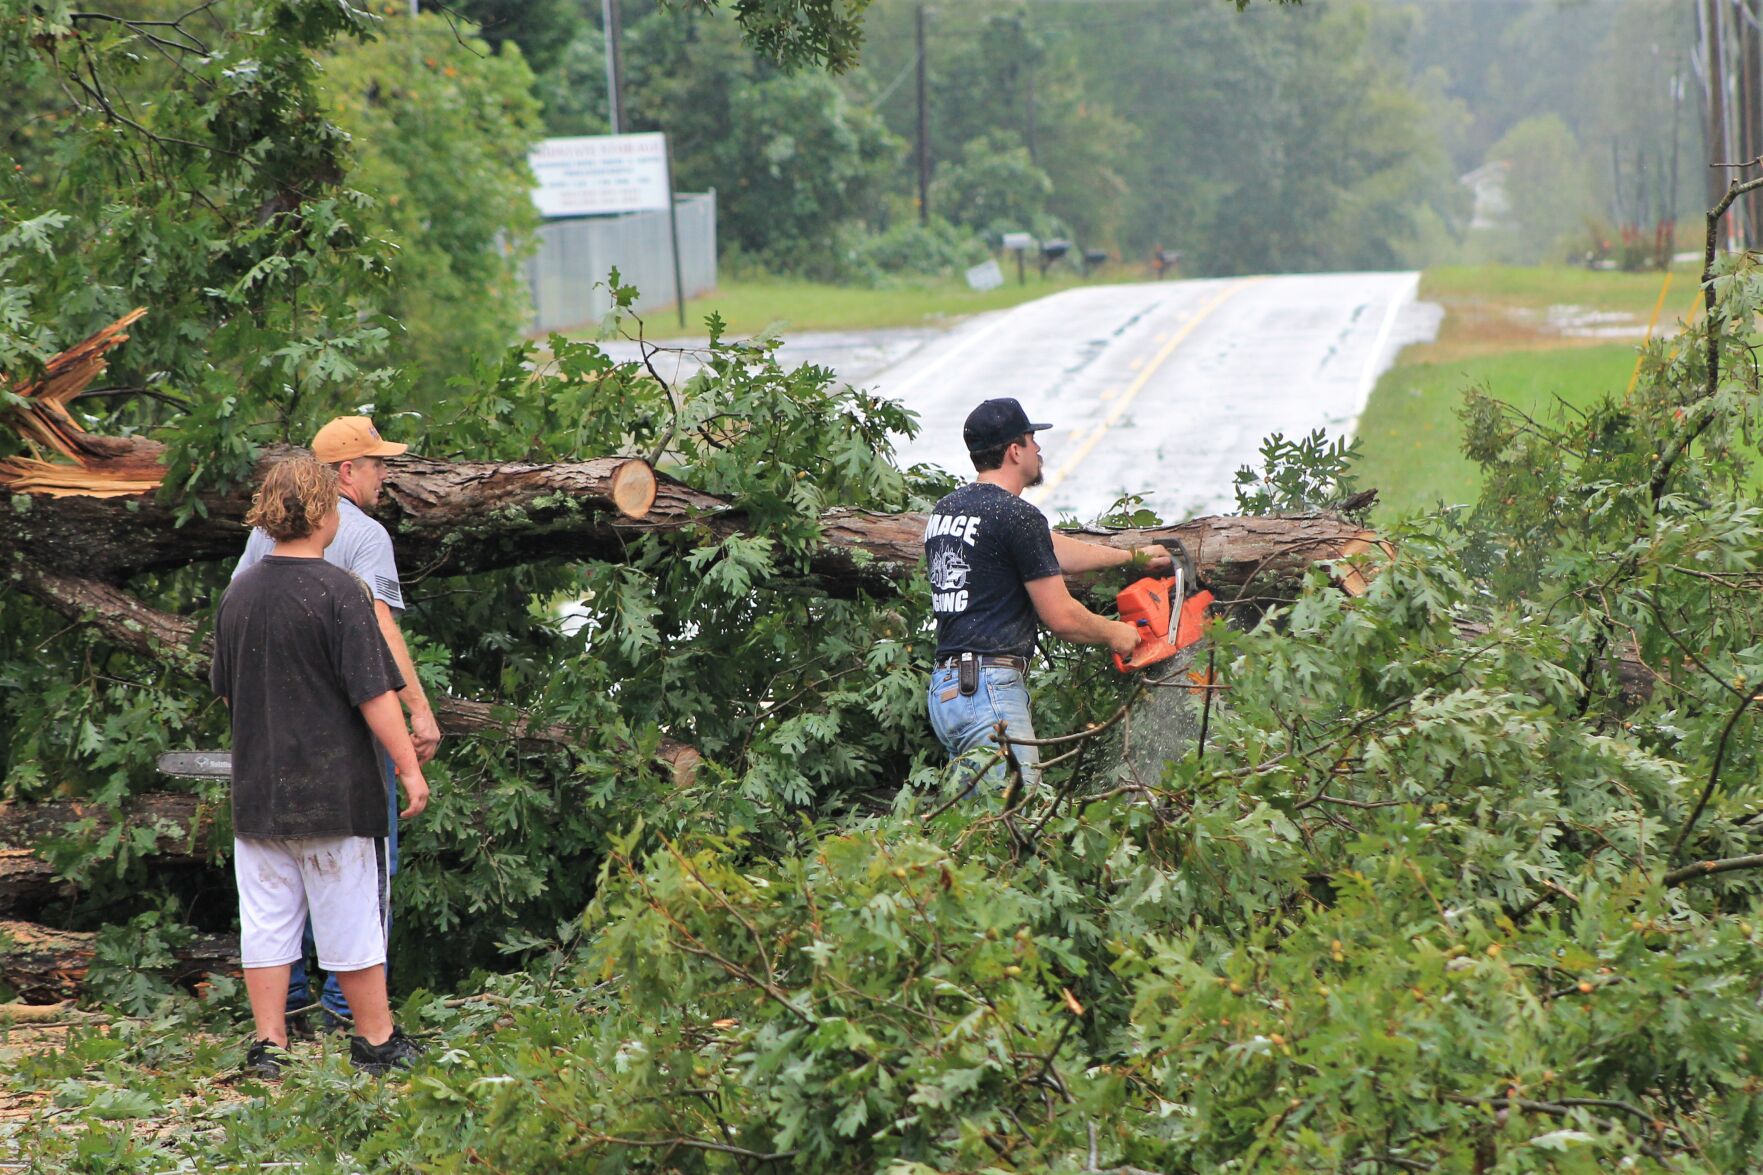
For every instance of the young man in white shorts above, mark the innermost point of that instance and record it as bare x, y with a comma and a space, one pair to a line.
299, 658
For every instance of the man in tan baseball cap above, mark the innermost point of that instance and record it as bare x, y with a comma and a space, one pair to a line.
349, 437
354, 448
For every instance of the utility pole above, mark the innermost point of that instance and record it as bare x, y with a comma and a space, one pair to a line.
1751, 110
1716, 91
1671, 192
924, 126
1034, 154
612, 21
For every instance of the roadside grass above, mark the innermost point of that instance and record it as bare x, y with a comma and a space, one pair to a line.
1411, 439
1497, 335
1537, 286
750, 305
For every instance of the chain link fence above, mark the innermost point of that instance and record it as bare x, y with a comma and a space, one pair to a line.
568, 269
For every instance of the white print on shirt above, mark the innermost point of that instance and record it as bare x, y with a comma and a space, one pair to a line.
948, 580
960, 526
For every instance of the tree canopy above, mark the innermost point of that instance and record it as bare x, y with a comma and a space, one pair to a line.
1459, 873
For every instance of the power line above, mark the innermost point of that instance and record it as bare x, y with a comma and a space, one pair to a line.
898, 78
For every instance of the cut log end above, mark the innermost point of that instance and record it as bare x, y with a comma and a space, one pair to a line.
634, 488
682, 761
1356, 581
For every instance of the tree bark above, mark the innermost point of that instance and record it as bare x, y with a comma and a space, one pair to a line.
182, 823
1634, 677
152, 633
26, 881
45, 965
457, 517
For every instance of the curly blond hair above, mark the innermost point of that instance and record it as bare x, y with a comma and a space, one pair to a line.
294, 498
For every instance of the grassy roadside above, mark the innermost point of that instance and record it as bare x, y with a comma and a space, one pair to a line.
1510, 331
1410, 436
751, 305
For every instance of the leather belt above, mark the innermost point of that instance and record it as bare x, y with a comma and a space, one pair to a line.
1020, 664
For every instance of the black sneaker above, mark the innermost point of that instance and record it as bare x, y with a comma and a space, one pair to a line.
265, 1059
398, 1052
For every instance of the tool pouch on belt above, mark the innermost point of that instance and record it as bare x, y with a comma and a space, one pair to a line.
967, 675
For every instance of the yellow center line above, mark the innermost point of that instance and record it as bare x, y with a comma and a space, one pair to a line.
1040, 492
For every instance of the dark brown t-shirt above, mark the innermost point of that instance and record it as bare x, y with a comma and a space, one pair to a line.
296, 649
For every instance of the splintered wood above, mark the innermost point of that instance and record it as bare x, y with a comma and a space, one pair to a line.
90, 466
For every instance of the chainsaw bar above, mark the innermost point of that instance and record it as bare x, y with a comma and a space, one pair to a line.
197, 764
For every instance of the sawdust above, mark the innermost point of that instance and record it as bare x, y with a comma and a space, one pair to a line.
1165, 724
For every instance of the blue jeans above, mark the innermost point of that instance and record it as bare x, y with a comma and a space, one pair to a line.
965, 724
299, 987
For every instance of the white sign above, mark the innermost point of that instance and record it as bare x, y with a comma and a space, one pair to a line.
986, 276
593, 174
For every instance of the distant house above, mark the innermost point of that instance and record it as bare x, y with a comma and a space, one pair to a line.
1488, 183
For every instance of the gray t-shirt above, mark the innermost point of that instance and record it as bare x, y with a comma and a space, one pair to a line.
361, 546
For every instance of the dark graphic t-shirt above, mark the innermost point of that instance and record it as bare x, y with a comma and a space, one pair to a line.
982, 544
296, 649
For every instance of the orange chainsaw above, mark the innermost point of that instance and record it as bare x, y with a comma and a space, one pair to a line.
1168, 619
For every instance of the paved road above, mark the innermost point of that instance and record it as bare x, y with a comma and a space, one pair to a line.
1160, 389
1164, 389
857, 356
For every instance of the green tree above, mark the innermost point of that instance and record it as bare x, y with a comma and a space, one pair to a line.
1008, 76
1274, 140
545, 30
994, 188
572, 93
441, 127
794, 161
197, 173
1546, 188
1463, 877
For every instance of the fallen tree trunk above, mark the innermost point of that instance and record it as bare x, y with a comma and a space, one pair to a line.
181, 824
1634, 677
171, 638
456, 517
44, 965
26, 880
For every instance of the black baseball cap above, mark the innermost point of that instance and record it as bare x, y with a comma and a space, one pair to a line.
995, 423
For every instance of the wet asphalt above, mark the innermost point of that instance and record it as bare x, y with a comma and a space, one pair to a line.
1161, 389
1164, 389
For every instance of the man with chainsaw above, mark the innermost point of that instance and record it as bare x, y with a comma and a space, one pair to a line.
996, 568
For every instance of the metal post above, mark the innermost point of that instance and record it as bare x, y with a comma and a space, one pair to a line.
679, 283
923, 127
613, 25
